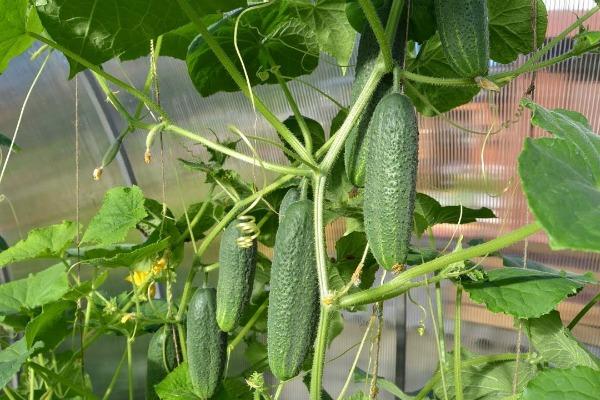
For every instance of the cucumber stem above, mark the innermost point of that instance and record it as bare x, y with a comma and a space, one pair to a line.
458, 388
583, 311
379, 31
319, 355
402, 282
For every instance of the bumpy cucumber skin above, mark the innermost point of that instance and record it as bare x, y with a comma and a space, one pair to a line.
237, 266
294, 297
206, 344
161, 359
391, 175
291, 196
464, 33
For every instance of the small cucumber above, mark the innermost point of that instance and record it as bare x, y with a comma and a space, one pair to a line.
236, 276
291, 196
206, 344
390, 185
161, 359
294, 297
464, 33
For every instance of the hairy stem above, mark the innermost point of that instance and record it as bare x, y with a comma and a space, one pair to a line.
379, 31
320, 350
113, 380
402, 282
458, 388
129, 369
583, 311
246, 328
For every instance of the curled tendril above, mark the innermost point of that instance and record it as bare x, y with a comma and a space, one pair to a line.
248, 229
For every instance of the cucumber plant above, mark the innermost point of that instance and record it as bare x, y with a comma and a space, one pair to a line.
280, 295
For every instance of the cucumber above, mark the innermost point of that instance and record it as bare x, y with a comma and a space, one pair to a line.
291, 196
294, 297
206, 344
355, 147
464, 33
391, 174
236, 276
161, 359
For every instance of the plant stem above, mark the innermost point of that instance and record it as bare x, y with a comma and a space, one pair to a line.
378, 308
434, 80
296, 110
113, 380
279, 390
129, 368
379, 31
237, 77
182, 342
583, 311
129, 89
355, 362
282, 169
320, 246
402, 282
244, 331
31, 384
457, 345
197, 217
319, 355
466, 363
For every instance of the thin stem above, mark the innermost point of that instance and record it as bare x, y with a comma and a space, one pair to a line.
379, 312
182, 343
434, 80
379, 31
199, 215
129, 368
238, 78
583, 311
113, 380
279, 390
395, 14
320, 246
441, 332
31, 384
296, 110
246, 328
355, 362
318, 90
282, 169
128, 88
457, 345
402, 282
8, 393
319, 356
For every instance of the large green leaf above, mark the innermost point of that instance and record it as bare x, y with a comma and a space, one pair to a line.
431, 61
581, 383
327, 18
177, 385
587, 278
556, 344
36, 290
523, 293
124, 257
175, 43
268, 36
17, 18
510, 28
51, 326
12, 358
47, 242
99, 30
122, 209
561, 178
429, 212
486, 381
317, 133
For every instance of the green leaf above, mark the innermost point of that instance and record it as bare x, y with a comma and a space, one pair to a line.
561, 178
317, 133
488, 381
355, 14
429, 212
177, 385
585, 279
232, 389
349, 250
12, 358
122, 257
268, 37
122, 209
556, 344
36, 290
100, 30
581, 383
587, 41
175, 43
212, 214
48, 242
510, 28
431, 61
522, 293
17, 18
5, 141
422, 25
51, 326
327, 18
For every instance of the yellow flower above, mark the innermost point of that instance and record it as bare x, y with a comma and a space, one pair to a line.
127, 317
159, 266
139, 278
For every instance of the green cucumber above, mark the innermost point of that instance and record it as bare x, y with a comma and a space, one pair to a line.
291, 196
356, 145
161, 359
206, 344
294, 297
236, 276
390, 184
464, 33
